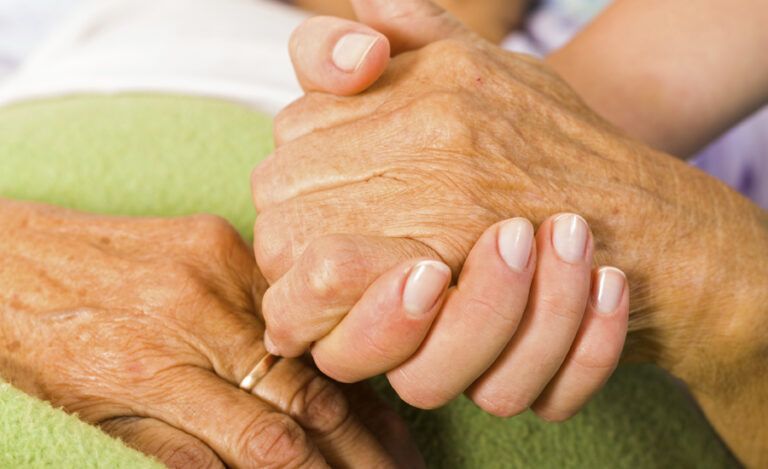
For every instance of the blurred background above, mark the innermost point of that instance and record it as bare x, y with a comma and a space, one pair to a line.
24, 25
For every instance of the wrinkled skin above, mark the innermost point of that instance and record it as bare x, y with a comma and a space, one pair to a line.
459, 135
145, 327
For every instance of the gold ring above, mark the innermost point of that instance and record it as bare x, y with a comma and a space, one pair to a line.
258, 372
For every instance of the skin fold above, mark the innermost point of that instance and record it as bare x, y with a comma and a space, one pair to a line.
458, 134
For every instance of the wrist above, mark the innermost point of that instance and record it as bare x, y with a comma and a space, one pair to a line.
698, 288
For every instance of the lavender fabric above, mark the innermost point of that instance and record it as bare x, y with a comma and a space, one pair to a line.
740, 158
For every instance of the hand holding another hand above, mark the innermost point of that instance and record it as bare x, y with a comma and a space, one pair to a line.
455, 135
385, 177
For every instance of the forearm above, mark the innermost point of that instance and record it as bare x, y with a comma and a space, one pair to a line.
694, 251
732, 383
699, 294
672, 74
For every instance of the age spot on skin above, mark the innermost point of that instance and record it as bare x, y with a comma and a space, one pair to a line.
16, 303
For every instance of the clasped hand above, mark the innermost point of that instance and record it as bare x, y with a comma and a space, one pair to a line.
371, 203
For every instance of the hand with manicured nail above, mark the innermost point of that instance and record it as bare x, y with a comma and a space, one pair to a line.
456, 135
370, 304
528, 312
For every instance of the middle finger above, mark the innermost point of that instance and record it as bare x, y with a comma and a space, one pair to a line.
555, 310
243, 430
479, 316
292, 388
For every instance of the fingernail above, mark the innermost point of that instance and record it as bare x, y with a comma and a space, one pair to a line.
269, 345
351, 50
515, 242
610, 288
569, 236
425, 284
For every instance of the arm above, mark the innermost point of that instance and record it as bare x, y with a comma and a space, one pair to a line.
673, 74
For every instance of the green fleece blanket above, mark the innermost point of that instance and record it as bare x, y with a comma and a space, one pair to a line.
155, 155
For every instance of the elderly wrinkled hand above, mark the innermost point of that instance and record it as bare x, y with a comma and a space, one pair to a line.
508, 338
454, 135
146, 327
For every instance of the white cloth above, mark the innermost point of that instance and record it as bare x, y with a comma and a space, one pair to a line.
230, 49
24, 24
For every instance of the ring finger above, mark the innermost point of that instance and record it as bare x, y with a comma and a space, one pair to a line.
293, 389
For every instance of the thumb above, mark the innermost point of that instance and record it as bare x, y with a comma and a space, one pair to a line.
410, 24
343, 57
337, 56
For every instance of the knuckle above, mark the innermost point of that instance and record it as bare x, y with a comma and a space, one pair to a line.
377, 346
333, 267
274, 320
439, 102
259, 190
274, 439
270, 249
507, 319
501, 406
285, 122
459, 58
330, 367
268, 178
287, 325
214, 232
550, 413
596, 359
212, 225
449, 51
451, 130
416, 393
188, 455
565, 305
184, 278
320, 406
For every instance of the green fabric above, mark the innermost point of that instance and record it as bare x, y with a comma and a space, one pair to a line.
33, 434
153, 155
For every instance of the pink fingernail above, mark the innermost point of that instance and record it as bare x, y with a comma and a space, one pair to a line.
515, 242
609, 289
569, 236
425, 285
351, 50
